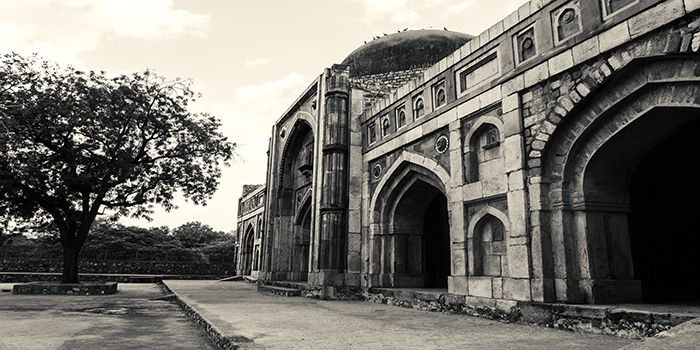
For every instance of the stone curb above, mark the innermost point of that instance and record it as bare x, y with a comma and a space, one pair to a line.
65, 288
23, 277
223, 342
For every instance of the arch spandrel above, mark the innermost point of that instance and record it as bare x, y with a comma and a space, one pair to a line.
633, 92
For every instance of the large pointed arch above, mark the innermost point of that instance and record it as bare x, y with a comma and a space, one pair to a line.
586, 170
409, 225
303, 125
442, 176
292, 216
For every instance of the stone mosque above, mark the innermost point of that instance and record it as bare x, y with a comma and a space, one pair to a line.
547, 159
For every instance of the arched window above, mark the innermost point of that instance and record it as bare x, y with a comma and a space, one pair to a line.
526, 45
566, 21
441, 99
400, 117
418, 108
386, 127
372, 133
490, 248
439, 94
491, 138
482, 151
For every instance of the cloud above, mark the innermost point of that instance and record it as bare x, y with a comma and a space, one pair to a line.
410, 12
398, 10
270, 90
61, 30
461, 6
257, 63
248, 119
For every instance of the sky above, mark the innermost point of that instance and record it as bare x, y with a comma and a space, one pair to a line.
249, 59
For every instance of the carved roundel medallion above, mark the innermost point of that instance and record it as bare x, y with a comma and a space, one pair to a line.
377, 171
568, 15
442, 144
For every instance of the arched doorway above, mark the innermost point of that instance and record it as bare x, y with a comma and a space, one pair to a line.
587, 170
302, 242
664, 235
436, 237
413, 239
638, 217
292, 216
247, 251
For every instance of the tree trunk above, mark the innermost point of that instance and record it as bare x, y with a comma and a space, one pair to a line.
70, 263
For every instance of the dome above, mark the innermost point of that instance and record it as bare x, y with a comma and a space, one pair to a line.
403, 51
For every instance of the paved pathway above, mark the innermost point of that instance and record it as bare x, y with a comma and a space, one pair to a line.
260, 321
130, 319
134, 318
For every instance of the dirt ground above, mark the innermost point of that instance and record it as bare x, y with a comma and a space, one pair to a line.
133, 318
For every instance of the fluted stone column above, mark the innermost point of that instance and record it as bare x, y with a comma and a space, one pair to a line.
332, 236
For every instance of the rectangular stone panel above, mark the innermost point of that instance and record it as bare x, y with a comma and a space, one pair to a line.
492, 265
498, 288
458, 285
519, 263
480, 287
655, 17
691, 5
516, 289
613, 37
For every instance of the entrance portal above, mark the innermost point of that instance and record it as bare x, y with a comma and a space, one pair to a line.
247, 256
664, 233
420, 238
436, 235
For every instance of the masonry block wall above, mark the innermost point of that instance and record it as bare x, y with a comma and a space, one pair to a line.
251, 210
502, 172
519, 102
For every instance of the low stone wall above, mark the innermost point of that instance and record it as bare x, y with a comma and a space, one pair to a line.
595, 319
20, 277
118, 267
601, 320
65, 289
444, 302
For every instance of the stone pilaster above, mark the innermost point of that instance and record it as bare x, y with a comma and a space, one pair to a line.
333, 228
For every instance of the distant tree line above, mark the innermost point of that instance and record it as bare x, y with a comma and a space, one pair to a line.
190, 241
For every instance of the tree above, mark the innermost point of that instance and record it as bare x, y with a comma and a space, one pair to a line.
109, 235
74, 144
197, 235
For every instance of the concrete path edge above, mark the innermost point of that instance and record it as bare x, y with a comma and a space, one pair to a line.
214, 333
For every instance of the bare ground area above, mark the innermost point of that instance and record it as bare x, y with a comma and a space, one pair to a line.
137, 317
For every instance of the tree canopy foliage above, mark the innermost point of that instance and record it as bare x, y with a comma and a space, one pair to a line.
74, 144
197, 235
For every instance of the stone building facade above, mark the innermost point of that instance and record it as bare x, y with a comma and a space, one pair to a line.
546, 159
251, 210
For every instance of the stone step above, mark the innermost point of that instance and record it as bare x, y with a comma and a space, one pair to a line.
285, 284
287, 292
230, 279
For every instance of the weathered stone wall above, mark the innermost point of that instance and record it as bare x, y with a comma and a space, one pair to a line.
383, 84
582, 88
250, 221
510, 131
119, 267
